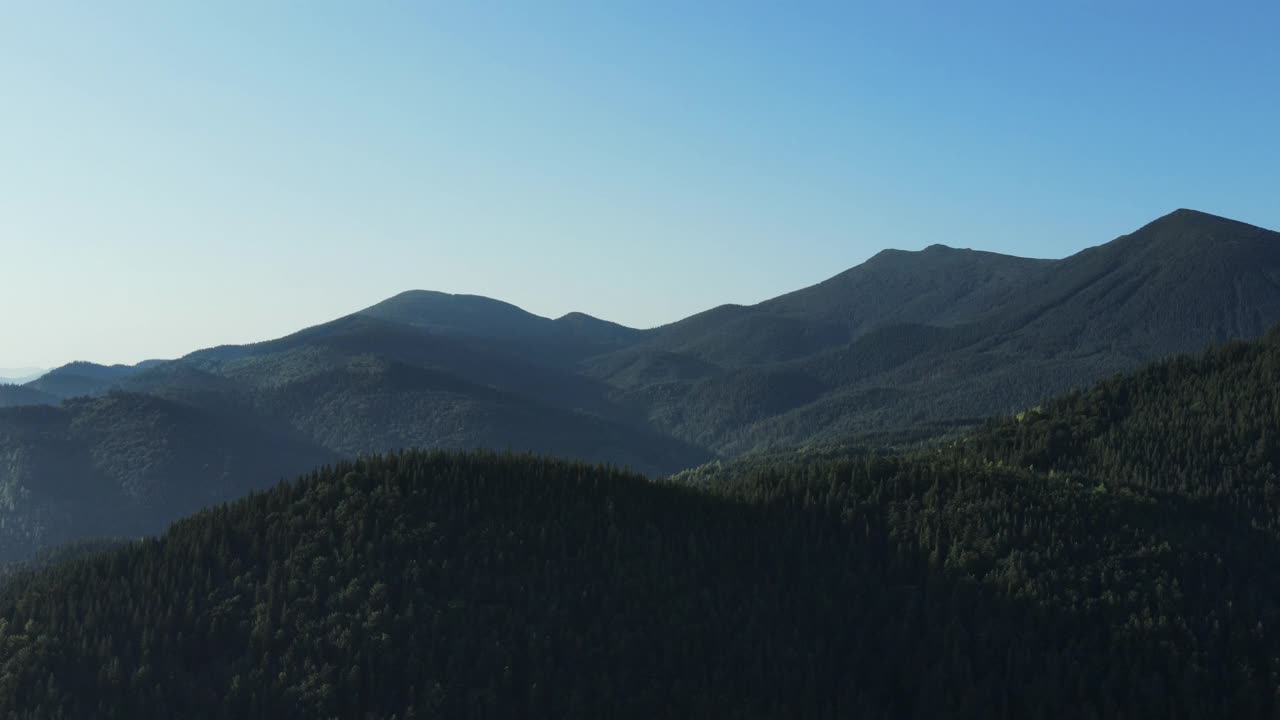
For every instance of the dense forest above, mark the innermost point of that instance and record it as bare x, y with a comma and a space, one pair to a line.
1105, 555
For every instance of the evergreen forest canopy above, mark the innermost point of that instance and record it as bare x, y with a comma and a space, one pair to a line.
1108, 554
905, 347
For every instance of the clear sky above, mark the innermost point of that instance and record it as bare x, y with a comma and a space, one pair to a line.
175, 175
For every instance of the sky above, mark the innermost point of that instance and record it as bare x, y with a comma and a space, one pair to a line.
177, 175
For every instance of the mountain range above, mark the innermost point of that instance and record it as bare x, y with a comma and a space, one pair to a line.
1108, 554
904, 347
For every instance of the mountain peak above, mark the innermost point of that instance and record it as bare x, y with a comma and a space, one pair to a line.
935, 255
479, 316
1191, 213
462, 314
436, 297
1188, 219
1186, 232
580, 323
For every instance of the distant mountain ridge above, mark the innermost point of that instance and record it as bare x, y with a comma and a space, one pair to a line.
18, 376
940, 336
907, 345
82, 378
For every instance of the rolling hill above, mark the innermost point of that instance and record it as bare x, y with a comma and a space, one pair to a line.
82, 378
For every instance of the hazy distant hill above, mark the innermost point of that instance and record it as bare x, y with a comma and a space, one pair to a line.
563, 341
81, 378
906, 345
18, 376
126, 464
133, 448
362, 384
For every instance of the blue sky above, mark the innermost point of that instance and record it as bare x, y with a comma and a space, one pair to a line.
176, 175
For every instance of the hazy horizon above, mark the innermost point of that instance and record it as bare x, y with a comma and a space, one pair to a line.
21, 373
184, 177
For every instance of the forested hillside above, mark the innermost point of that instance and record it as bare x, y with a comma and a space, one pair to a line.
1106, 555
1202, 426
79, 379
127, 465
19, 395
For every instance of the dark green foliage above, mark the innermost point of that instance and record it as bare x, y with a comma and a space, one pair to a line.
1202, 427
1107, 555
476, 586
22, 571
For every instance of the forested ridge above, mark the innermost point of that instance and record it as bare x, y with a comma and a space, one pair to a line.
1108, 554
1205, 426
